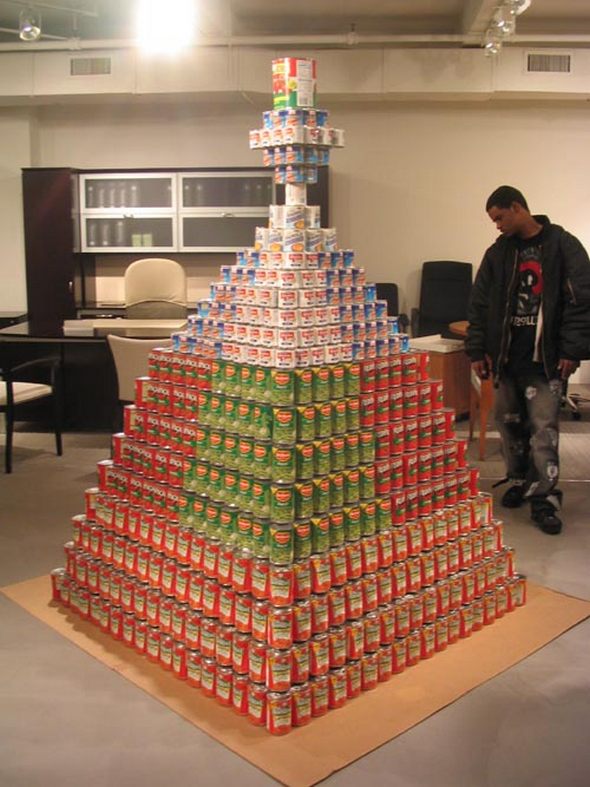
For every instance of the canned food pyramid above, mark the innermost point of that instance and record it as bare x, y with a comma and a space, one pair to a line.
288, 518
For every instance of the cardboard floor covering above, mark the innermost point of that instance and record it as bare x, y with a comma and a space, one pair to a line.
311, 753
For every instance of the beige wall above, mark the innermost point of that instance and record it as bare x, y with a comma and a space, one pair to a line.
409, 185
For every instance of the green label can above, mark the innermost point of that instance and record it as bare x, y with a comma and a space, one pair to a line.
339, 420
303, 386
282, 466
228, 523
367, 481
281, 543
216, 440
262, 458
383, 513
216, 489
245, 454
213, 515
260, 495
320, 533
202, 442
352, 379
244, 529
323, 419
336, 527
230, 450
217, 374
353, 414
231, 378
201, 484
204, 407
303, 499
322, 455
189, 467
305, 422
352, 449
352, 522
282, 503
245, 491
261, 421
282, 387
368, 517
261, 384
304, 460
367, 447
217, 409
185, 508
247, 386
230, 413
260, 536
338, 453
232, 486
320, 383
245, 408
321, 495
337, 381
200, 512
302, 539
351, 485
336, 490
284, 425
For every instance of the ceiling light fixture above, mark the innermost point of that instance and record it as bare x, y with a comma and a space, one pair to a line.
29, 25
502, 25
165, 26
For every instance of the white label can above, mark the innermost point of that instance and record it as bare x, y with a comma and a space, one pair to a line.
306, 317
287, 318
287, 299
306, 298
287, 338
307, 337
284, 359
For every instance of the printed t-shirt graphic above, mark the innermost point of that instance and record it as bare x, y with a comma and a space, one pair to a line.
526, 304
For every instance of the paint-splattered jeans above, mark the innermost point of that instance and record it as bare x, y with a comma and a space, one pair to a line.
527, 416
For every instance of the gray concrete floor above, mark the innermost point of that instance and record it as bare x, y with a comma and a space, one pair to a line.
66, 719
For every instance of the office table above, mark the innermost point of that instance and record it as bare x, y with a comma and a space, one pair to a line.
90, 381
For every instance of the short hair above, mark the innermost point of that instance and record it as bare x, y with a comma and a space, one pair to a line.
504, 196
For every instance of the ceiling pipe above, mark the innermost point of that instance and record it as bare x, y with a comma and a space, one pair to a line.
274, 42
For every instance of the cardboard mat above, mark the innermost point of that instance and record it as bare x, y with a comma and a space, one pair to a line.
309, 754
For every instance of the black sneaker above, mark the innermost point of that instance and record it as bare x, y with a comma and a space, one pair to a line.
548, 521
513, 497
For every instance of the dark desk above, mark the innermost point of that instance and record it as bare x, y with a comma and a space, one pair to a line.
11, 318
90, 384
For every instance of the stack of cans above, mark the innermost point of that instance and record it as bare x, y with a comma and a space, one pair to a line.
288, 518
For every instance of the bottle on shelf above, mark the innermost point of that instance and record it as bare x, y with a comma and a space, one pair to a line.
91, 234
122, 193
105, 233
120, 233
90, 196
101, 197
187, 193
113, 195
134, 195
199, 198
246, 192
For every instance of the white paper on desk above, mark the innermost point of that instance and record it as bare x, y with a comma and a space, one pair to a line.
436, 344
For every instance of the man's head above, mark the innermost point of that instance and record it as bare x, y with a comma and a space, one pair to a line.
508, 209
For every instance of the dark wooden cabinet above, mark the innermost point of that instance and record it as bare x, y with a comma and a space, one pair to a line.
49, 244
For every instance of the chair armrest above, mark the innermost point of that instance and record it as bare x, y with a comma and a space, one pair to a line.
46, 362
403, 321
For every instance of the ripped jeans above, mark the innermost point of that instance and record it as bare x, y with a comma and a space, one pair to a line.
527, 417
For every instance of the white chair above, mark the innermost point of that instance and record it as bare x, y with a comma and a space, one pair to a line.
131, 361
14, 393
155, 288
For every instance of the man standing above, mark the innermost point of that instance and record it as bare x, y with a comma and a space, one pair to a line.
529, 326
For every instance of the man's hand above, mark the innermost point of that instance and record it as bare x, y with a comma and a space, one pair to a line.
567, 367
482, 368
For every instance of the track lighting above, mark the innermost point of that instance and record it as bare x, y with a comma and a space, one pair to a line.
29, 24
502, 25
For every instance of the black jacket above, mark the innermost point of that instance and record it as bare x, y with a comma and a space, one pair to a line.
565, 304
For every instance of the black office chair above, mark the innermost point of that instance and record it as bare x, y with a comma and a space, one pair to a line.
13, 392
444, 295
388, 291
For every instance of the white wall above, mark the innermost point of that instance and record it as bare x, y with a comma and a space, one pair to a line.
15, 152
409, 186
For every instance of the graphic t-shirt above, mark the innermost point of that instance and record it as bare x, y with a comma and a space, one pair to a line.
526, 305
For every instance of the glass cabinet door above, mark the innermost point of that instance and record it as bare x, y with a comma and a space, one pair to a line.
216, 233
127, 233
141, 191
226, 190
